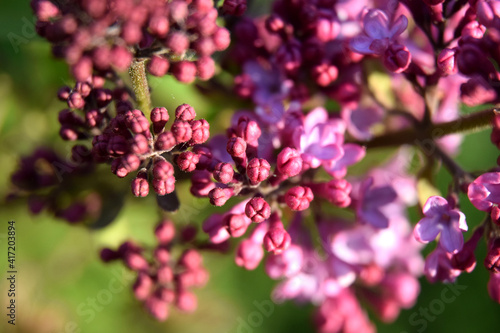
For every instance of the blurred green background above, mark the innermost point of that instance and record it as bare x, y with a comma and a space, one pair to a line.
60, 274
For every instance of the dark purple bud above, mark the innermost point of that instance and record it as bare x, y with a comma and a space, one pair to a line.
187, 161
162, 169
289, 56
492, 260
165, 141
299, 197
139, 144
158, 66
76, 101
274, 23
185, 112
122, 166
80, 154
218, 196
182, 131
258, 170
93, 118
258, 210
205, 157
201, 183
163, 187
223, 172
200, 131
63, 93
136, 121
289, 162
477, 91
140, 185
108, 255
397, 58
117, 145
236, 224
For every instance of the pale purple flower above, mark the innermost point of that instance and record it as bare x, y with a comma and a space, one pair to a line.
438, 266
441, 218
484, 192
360, 121
371, 201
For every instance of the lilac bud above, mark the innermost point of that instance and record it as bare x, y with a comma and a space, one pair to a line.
164, 274
494, 286
185, 112
117, 145
182, 131
143, 286
221, 38
201, 184
159, 26
223, 172
477, 91
76, 101
140, 185
446, 61
82, 69
158, 66
258, 170
205, 67
190, 259
324, 74
200, 131
184, 71
108, 255
236, 147
492, 260
205, 157
63, 93
135, 261
248, 130
121, 58
139, 144
258, 210
249, 254
234, 7
218, 196
397, 58
236, 224
337, 191
289, 162
162, 169
122, 166
187, 161
45, 10
299, 197
277, 240
164, 186
165, 232
165, 141
177, 42
157, 307
159, 117
186, 301
162, 255
327, 28
136, 121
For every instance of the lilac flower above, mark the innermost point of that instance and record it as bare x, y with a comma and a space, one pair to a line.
438, 266
442, 219
360, 121
484, 192
379, 38
371, 200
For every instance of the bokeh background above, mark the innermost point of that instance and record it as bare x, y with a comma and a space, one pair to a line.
59, 272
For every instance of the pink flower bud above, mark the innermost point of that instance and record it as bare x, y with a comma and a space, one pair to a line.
223, 172
397, 58
164, 274
205, 157
158, 66
165, 232
247, 129
249, 254
236, 147
76, 101
289, 162
205, 67
140, 186
164, 186
135, 261
218, 196
186, 301
184, 71
299, 197
236, 224
139, 144
201, 131
258, 210
446, 61
201, 183
187, 161
159, 26
136, 121
162, 169
117, 145
324, 74
337, 191
191, 259
221, 38
157, 307
277, 240
185, 112
492, 260
162, 255
182, 131
143, 286
165, 141
159, 117
124, 165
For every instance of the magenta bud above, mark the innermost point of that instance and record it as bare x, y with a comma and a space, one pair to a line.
165, 141
162, 169
492, 260
186, 301
201, 184
135, 261
247, 129
76, 101
289, 162
221, 38
136, 121
143, 286
258, 210
121, 58
494, 286
182, 131
236, 224
277, 240
139, 144
122, 166
162, 255
63, 93
164, 274
236, 147
140, 186
158, 66
234, 7
159, 26
184, 71
446, 62
187, 161
299, 197
223, 172
45, 10
258, 170
327, 28
205, 157
164, 186
165, 232
159, 117
190, 259
177, 42
324, 74
218, 196
185, 112
337, 191
200, 131
157, 307
274, 23
397, 58
205, 67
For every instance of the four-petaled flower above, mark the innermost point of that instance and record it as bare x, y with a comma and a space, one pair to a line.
441, 218
484, 192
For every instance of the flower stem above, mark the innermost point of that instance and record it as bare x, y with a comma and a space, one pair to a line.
418, 136
137, 72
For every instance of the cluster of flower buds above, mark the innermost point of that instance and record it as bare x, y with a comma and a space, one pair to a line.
162, 280
132, 143
107, 35
47, 178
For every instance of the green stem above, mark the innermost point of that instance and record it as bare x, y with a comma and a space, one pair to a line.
137, 72
418, 136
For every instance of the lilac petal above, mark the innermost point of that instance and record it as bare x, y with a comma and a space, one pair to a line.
451, 239
376, 24
458, 219
361, 44
398, 26
435, 205
427, 229
378, 46
489, 177
477, 194
375, 218
494, 195
315, 117
380, 196
325, 153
